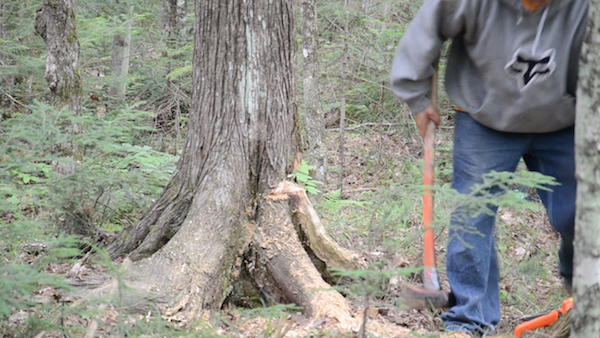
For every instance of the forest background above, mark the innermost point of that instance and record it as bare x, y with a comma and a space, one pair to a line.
124, 137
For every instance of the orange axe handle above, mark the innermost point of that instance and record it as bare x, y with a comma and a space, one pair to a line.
430, 276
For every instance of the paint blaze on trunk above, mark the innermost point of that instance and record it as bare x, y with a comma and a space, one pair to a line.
213, 224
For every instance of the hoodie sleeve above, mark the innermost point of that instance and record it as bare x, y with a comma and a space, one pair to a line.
436, 21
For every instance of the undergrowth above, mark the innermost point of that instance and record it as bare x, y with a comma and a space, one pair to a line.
128, 149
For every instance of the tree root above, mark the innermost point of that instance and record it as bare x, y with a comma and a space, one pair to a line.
324, 247
290, 267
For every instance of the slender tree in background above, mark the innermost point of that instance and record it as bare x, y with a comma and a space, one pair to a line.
344, 88
586, 315
173, 13
315, 123
368, 9
6, 82
219, 222
55, 22
368, 6
176, 100
121, 50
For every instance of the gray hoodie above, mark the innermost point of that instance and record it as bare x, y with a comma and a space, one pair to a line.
512, 70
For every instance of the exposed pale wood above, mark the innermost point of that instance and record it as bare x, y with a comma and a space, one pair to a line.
293, 271
326, 249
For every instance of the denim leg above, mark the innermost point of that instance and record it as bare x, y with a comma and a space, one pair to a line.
471, 262
553, 154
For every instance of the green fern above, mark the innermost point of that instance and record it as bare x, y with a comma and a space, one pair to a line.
302, 176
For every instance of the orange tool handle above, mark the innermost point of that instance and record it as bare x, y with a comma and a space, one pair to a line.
536, 323
430, 276
544, 320
428, 181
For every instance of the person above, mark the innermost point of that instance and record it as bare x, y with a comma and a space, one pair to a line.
512, 74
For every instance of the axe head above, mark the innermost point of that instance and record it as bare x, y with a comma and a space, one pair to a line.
415, 298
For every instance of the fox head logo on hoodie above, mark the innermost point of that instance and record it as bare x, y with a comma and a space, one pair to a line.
527, 68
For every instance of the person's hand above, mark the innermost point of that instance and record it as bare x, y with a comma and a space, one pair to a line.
422, 118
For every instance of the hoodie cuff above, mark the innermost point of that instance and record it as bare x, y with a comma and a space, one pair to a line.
419, 104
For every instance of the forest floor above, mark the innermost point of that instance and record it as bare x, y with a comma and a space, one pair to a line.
526, 243
379, 217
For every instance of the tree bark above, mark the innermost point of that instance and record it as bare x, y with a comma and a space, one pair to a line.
172, 21
6, 81
368, 6
55, 22
586, 313
213, 220
345, 67
121, 54
172, 16
315, 123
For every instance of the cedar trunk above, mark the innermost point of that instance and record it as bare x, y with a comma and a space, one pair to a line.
218, 220
586, 314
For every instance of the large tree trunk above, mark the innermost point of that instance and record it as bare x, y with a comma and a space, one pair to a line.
315, 123
586, 314
214, 219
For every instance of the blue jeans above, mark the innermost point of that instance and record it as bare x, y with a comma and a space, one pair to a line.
472, 269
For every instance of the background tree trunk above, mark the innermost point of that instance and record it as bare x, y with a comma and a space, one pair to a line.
55, 22
586, 314
345, 71
172, 15
242, 140
315, 124
121, 53
7, 82
173, 26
